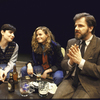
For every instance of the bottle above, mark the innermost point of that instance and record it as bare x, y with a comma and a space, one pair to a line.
11, 84
15, 74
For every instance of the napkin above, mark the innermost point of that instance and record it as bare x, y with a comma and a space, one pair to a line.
52, 88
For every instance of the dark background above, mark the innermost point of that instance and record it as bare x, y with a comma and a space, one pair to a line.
57, 15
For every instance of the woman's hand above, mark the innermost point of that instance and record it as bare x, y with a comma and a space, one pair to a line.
44, 75
3, 75
29, 68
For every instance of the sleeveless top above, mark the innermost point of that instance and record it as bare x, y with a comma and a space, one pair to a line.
5, 56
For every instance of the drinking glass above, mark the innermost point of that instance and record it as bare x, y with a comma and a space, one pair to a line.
38, 72
19, 76
24, 88
43, 88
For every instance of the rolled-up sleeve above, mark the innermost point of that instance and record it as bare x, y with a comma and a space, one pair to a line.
13, 59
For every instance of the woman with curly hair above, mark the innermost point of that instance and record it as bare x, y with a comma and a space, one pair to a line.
46, 54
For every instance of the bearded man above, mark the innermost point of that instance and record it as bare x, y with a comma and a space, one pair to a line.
81, 61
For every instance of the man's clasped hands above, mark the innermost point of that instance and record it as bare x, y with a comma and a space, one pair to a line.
74, 54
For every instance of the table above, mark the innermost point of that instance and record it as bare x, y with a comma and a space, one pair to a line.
4, 94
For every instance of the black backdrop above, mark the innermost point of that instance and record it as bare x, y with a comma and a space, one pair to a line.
57, 15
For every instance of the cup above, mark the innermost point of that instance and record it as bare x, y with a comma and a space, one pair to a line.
43, 88
38, 72
19, 76
24, 88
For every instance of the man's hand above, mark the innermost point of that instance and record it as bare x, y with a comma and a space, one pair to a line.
29, 68
75, 54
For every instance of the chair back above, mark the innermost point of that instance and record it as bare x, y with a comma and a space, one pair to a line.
63, 51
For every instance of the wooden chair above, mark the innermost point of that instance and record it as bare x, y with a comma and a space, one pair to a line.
63, 51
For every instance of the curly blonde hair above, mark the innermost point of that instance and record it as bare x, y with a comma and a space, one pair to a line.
36, 47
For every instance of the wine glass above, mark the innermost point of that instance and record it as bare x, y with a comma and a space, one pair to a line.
38, 72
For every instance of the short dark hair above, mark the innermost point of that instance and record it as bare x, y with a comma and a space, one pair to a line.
89, 19
8, 27
5, 27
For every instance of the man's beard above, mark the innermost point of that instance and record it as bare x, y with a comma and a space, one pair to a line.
81, 36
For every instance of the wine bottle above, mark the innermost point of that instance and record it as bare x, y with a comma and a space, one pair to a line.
15, 74
11, 84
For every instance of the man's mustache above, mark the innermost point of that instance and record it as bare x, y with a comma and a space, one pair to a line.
77, 32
